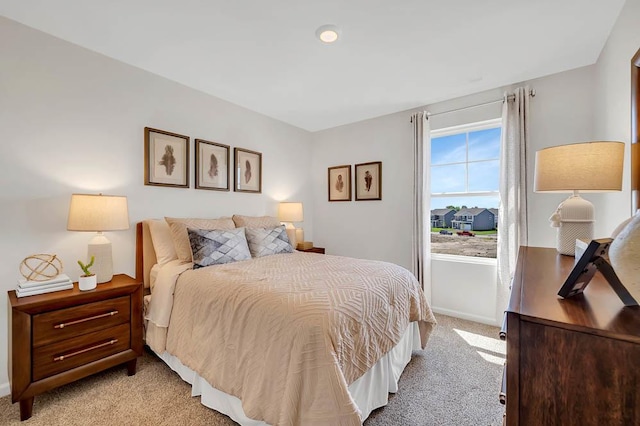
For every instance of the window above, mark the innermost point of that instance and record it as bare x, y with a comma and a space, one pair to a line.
465, 179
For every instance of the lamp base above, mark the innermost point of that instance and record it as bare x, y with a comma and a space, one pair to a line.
576, 220
100, 248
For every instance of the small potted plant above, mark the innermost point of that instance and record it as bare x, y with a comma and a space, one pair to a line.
87, 281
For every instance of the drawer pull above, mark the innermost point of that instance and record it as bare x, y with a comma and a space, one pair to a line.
101, 345
66, 324
503, 387
503, 329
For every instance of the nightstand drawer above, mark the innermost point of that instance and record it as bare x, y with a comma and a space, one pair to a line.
59, 325
65, 355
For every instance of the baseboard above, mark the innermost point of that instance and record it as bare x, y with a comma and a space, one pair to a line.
5, 389
465, 316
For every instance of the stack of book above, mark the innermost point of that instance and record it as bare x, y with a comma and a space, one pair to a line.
30, 288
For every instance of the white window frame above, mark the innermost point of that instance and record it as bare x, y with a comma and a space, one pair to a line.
453, 130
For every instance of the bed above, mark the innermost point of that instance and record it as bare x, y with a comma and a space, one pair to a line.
289, 338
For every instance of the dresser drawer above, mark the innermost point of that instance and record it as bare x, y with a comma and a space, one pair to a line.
67, 354
59, 325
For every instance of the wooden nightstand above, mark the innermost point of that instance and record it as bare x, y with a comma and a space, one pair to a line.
60, 337
319, 250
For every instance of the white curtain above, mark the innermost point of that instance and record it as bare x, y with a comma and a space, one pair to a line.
421, 252
512, 215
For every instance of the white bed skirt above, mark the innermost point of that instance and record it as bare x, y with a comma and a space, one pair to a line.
368, 392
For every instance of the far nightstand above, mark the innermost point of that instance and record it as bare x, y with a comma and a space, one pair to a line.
60, 337
319, 250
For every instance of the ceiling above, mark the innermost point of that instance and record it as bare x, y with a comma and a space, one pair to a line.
392, 55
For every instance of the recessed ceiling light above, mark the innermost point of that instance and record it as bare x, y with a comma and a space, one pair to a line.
328, 33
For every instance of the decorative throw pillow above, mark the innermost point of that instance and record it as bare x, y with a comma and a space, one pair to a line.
267, 241
218, 246
181, 238
255, 221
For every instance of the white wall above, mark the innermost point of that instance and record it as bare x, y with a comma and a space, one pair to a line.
72, 121
613, 97
562, 112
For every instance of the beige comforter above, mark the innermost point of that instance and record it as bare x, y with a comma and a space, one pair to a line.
288, 333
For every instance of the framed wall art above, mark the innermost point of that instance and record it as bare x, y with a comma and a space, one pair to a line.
212, 165
339, 178
369, 181
166, 158
247, 176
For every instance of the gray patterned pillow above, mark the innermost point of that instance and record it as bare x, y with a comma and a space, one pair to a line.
218, 246
267, 241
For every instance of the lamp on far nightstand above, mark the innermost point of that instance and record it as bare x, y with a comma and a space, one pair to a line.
288, 213
99, 213
579, 167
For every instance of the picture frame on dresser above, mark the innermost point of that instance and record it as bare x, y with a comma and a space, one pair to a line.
212, 165
166, 158
247, 176
368, 181
339, 183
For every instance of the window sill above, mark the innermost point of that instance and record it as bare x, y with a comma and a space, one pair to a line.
464, 259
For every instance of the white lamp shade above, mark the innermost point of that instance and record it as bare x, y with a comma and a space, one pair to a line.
290, 212
587, 167
98, 213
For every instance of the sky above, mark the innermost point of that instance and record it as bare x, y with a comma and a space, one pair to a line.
450, 173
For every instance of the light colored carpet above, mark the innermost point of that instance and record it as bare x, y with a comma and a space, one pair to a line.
454, 381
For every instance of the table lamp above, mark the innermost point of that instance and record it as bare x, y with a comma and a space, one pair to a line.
288, 213
99, 213
579, 167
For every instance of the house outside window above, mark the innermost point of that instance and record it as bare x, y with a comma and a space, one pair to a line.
465, 178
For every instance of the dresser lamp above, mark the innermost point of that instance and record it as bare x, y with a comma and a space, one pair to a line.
575, 168
288, 213
98, 213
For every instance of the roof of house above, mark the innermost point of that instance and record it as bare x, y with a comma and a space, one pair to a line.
441, 212
494, 211
470, 212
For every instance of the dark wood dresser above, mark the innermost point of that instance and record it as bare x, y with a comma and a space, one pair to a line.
57, 338
569, 361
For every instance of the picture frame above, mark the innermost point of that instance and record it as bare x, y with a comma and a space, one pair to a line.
594, 258
339, 183
247, 175
166, 158
212, 165
368, 181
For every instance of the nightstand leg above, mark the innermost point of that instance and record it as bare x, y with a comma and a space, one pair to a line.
26, 408
131, 367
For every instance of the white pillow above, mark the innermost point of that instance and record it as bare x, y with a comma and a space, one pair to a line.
162, 241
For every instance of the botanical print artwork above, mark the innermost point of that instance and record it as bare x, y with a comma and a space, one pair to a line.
248, 176
340, 183
166, 160
339, 178
247, 172
212, 165
369, 181
169, 157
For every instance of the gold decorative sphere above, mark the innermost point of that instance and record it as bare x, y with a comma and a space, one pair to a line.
40, 267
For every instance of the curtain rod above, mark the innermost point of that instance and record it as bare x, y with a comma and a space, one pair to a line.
511, 97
